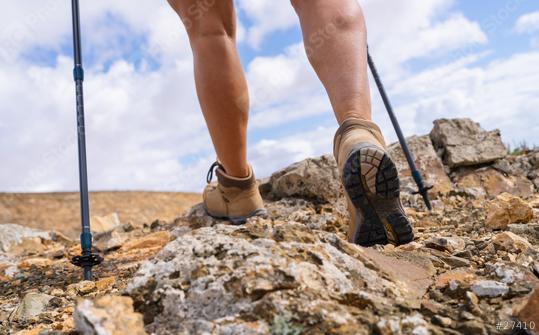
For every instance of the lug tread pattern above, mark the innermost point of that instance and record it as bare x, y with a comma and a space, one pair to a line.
371, 180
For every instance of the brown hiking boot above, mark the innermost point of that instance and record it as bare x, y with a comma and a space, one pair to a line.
234, 199
371, 181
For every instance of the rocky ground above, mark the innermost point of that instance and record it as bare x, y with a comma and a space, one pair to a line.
472, 269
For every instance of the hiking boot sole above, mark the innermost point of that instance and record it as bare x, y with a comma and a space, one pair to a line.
371, 180
239, 220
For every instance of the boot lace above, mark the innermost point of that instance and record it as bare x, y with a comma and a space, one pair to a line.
211, 171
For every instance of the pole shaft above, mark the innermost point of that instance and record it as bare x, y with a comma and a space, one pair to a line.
416, 175
391, 113
76, 32
78, 73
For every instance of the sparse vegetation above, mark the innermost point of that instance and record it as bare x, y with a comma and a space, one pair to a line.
283, 325
521, 148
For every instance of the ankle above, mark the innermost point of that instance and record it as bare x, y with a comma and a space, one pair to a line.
238, 171
353, 115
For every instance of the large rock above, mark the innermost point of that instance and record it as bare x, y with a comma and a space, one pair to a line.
510, 242
13, 234
462, 142
108, 315
427, 161
493, 182
235, 280
528, 230
507, 209
314, 179
530, 311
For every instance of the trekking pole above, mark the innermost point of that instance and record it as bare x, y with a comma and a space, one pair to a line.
87, 260
422, 189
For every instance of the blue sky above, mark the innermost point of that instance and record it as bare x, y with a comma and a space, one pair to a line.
438, 58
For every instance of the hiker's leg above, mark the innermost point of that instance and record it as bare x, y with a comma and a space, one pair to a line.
220, 82
335, 39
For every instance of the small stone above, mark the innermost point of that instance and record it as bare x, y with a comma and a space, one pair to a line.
38, 262
510, 242
103, 224
472, 327
110, 241
535, 269
456, 262
431, 307
463, 278
105, 283
489, 288
414, 324
83, 287
507, 209
450, 244
57, 292
467, 315
506, 275
442, 321
153, 240
108, 315
13, 234
412, 246
31, 306
472, 300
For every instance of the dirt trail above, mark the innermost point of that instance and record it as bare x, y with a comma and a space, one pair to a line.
60, 211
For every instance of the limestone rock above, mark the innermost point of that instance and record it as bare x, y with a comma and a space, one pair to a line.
450, 244
13, 234
103, 224
39, 262
83, 287
225, 274
528, 230
313, 178
105, 283
428, 163
157, 239
412, 324
108, 315
31, 305
461, 277
510, 242
489, 288
463, 142
507, 209
110, 240
492, 182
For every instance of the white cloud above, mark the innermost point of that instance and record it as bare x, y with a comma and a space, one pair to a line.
500, 94
416, 29
145, 130
268, 156
266, 16
527, 23
140, 123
